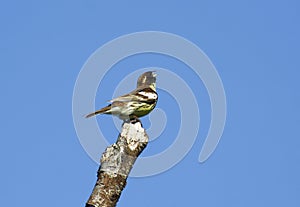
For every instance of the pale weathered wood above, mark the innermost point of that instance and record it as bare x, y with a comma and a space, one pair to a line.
116, 163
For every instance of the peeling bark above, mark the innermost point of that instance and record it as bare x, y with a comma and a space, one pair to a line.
116, 163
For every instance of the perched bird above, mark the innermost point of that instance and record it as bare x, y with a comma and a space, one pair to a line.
135, 104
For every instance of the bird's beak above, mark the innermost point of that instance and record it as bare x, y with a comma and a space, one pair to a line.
154, 73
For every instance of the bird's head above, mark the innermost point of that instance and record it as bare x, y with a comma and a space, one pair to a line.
147, 79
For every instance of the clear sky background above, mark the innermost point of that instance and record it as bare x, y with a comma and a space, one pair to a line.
255, 48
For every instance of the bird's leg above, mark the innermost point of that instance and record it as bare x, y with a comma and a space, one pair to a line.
133, 120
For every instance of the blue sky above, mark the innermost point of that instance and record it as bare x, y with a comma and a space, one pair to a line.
254, 46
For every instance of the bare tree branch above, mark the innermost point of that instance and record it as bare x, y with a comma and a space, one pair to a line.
116, 163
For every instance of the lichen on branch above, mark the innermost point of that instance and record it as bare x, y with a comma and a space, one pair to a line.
116, 164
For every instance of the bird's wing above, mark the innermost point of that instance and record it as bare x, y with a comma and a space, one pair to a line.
125, 98
136, 95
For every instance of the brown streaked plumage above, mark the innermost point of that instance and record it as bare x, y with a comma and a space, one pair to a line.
137, 103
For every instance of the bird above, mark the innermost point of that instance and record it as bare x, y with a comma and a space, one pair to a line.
135, 104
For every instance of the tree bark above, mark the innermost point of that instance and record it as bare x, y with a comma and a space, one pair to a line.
116, 163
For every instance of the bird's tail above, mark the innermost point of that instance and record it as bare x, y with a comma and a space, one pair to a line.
105, 110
